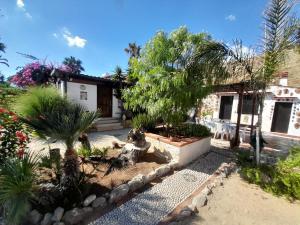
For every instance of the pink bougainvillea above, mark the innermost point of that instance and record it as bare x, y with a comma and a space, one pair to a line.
37, 73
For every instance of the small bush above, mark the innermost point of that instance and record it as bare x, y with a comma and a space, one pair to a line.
281, 179
17, 187
84, 152
102, 152
143, 121
192, 130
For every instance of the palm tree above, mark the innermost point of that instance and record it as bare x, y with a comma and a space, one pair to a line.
74, 64
55, 117
119, 77
2, 49
133, 50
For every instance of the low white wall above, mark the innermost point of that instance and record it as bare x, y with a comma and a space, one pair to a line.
73, 93
185, 154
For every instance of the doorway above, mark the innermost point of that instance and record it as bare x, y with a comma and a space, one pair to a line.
281, 117
104, 100
226, 107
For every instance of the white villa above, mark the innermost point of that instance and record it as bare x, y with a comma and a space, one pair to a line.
94, 93
281, 109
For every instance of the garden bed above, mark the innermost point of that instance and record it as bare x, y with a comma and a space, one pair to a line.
183, 150
100, 184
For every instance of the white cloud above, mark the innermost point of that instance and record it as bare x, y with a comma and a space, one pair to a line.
20, 3
230, 17
28, 15
72, 40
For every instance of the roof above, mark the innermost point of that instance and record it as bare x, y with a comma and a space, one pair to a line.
92, 78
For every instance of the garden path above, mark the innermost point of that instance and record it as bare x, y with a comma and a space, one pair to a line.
152, 205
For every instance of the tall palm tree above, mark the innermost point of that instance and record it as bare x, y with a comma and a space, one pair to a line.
74, 64
119, 77
2, 49
55, 117
133, 50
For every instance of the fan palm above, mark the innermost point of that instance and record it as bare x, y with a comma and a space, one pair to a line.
17, 187
54, 116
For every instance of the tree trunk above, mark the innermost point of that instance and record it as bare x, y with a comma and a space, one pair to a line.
261, 99
240, 106
70, 168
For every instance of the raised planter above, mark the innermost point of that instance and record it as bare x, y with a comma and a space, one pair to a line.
182, 151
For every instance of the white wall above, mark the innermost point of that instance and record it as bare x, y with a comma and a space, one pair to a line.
73, 92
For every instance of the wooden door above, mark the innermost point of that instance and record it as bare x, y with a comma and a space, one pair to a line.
104, 100
226, 107
281, 117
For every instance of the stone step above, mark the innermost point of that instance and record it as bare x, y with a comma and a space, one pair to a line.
107, 120
109, 126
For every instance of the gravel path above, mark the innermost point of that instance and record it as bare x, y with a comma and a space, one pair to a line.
151, 206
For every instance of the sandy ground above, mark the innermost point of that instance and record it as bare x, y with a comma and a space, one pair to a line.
240, 203
97, 139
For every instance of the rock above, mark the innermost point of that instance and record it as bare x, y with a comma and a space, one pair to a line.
199, 201
47, 219
89, 200
206, 191
163, 170
35, 217
99, 202
173, 165
150, 177
1, 221
183, 214
58, 214
136, 182
73, 216
59, 223
118, 193
87, 209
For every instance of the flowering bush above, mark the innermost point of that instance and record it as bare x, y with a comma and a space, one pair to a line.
37, 73
13, 135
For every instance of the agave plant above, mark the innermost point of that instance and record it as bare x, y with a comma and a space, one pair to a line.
17, 186
55, 117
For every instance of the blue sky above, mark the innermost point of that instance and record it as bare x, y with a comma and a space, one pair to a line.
97, 31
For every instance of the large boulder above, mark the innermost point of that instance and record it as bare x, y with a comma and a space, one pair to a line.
163, 170
73, 216
137, 182
89, 200
119, 193
35, 217
99, 203
58, 214
47, 219
199, 201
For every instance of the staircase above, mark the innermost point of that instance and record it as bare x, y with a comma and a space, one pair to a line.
106, 124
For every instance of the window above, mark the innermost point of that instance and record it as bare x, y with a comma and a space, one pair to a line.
83, 95
247, 105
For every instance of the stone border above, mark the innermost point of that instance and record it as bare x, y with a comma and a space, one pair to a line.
92, 202
201, 199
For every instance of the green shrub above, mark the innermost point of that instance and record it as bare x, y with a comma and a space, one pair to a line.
143, 121
84, 152
102, 152
17, 187
192, 130
281, 179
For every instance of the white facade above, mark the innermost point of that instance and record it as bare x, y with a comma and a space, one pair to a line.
275, 94
76, 92
86, 94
